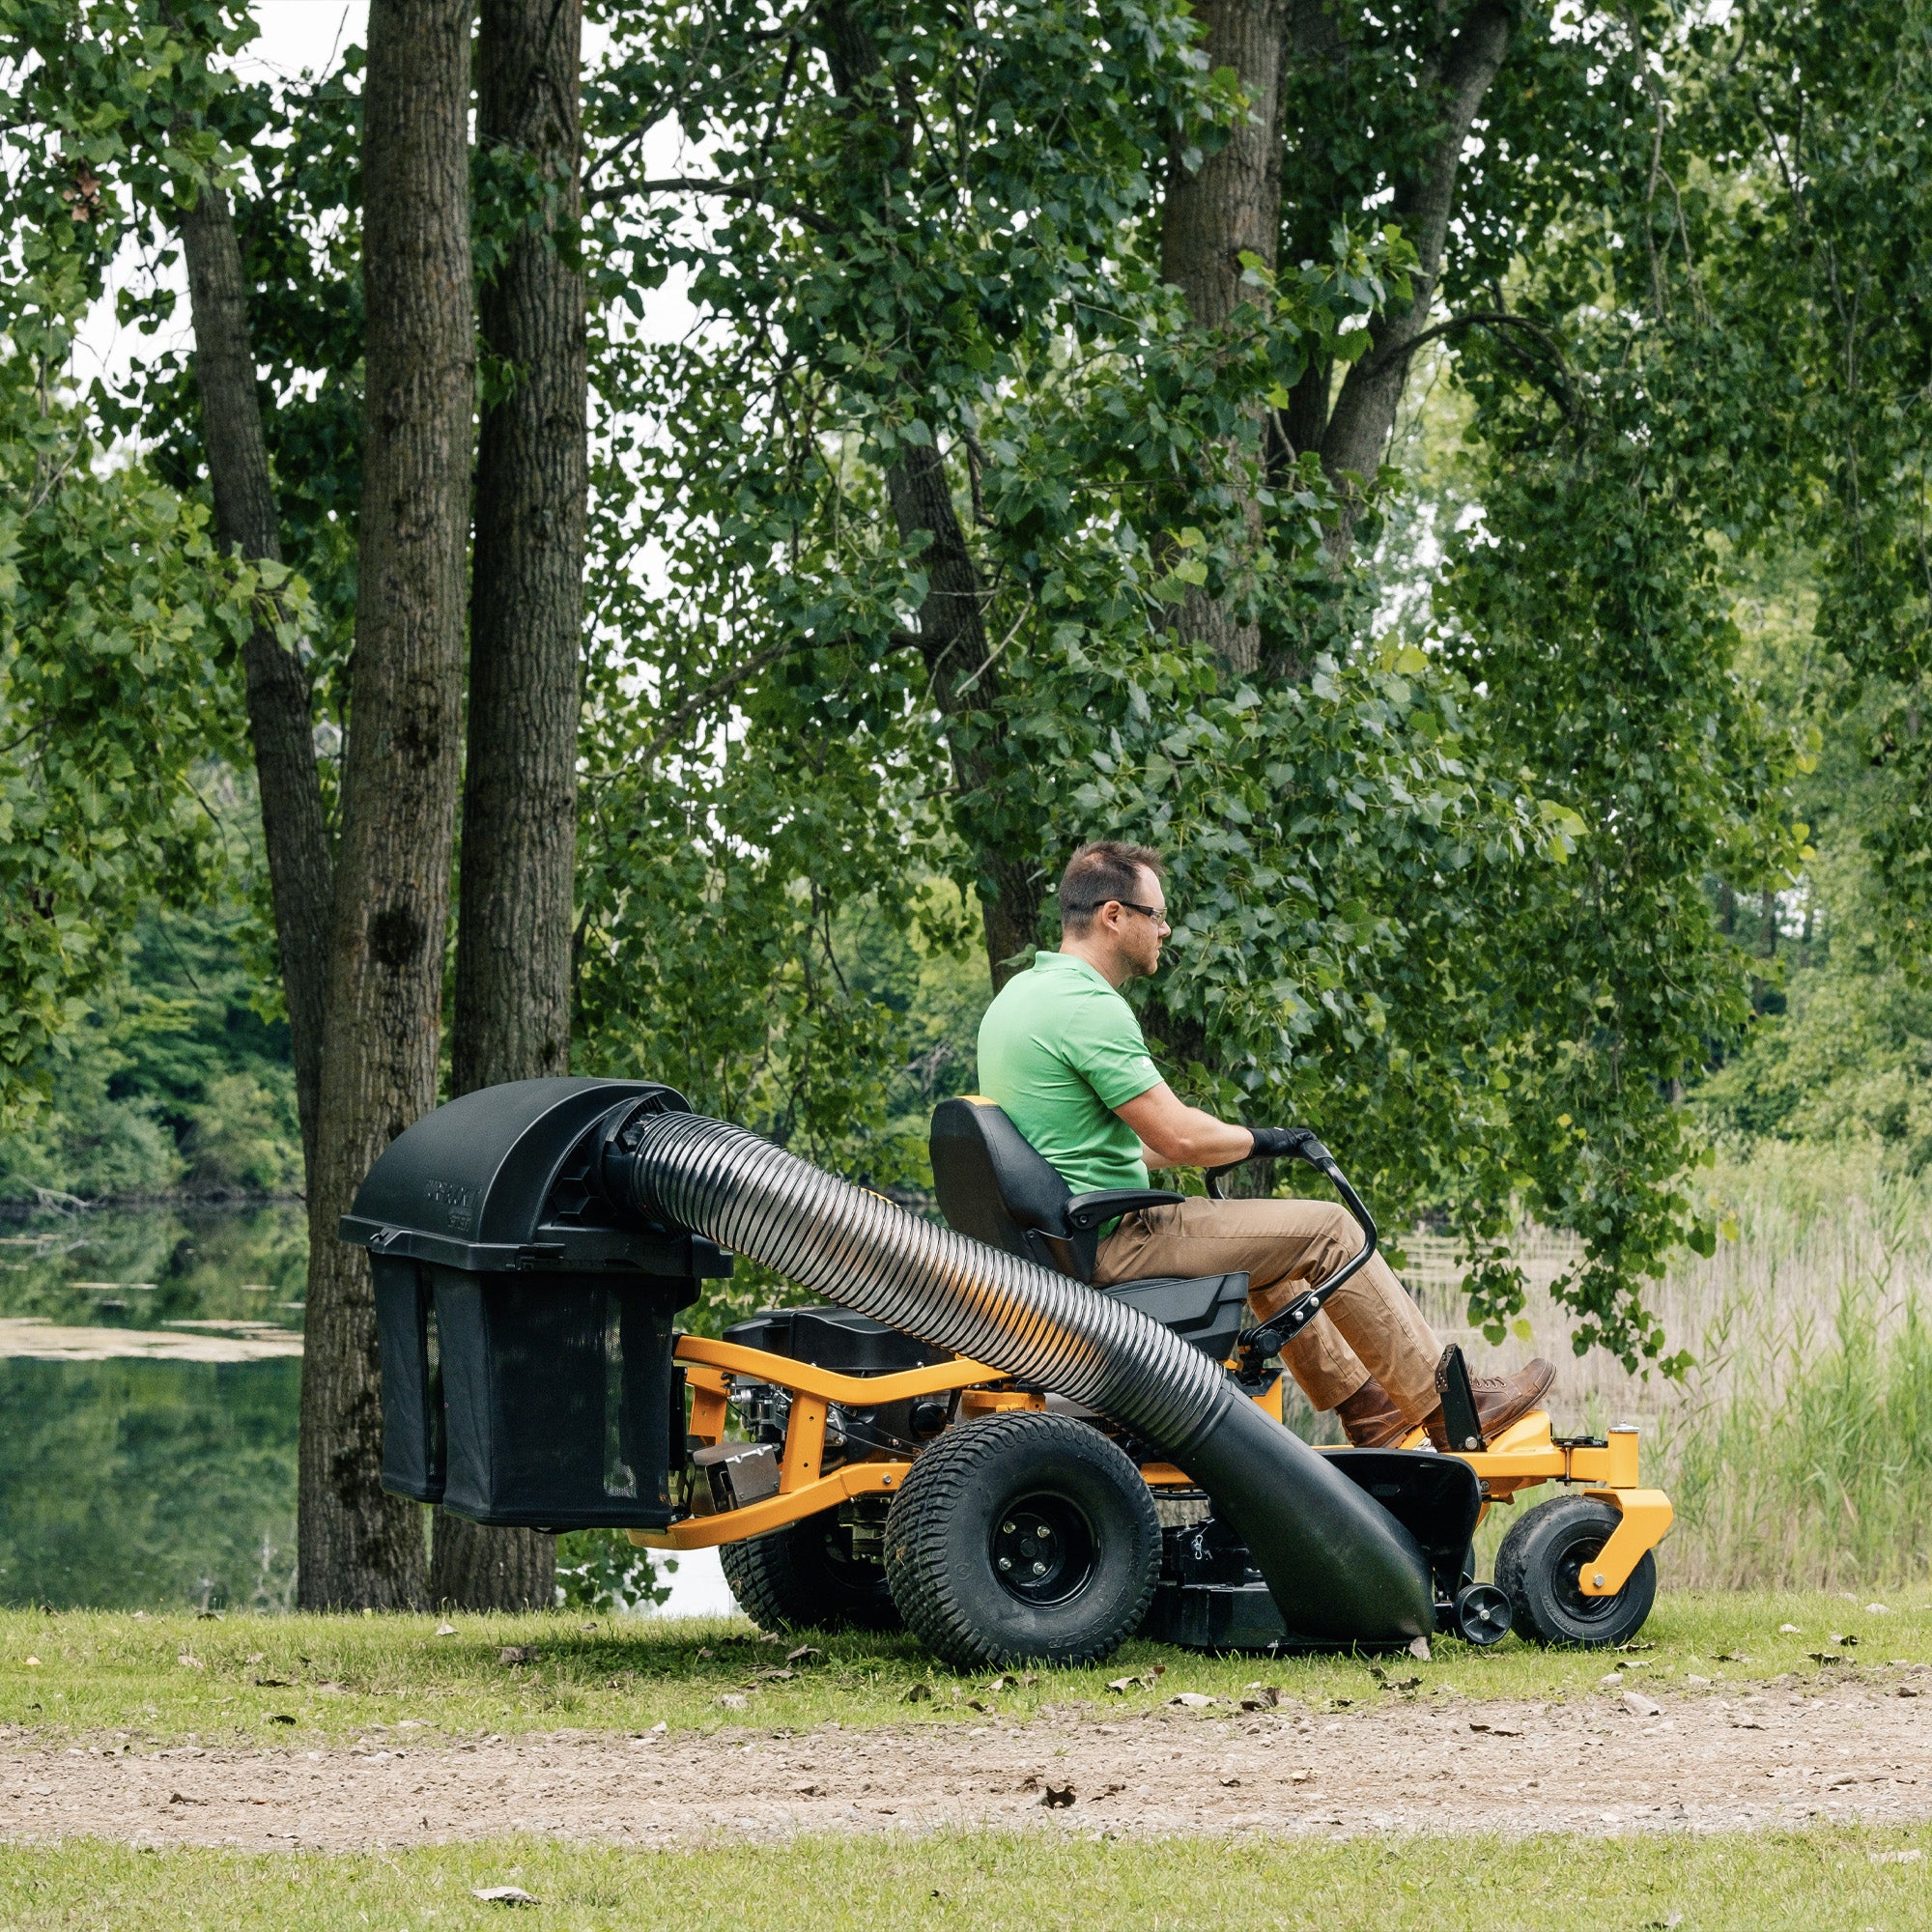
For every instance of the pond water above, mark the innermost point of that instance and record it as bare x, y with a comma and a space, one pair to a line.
150, 1389
150, 1376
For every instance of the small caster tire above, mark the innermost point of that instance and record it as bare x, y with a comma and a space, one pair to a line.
803, 1577
1481, 1615
1022, 1538
1539, 1568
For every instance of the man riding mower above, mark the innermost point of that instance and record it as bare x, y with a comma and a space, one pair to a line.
993, 1437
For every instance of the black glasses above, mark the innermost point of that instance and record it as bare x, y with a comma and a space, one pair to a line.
1154, 913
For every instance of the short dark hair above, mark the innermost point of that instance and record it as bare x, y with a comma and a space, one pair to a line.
1105, 870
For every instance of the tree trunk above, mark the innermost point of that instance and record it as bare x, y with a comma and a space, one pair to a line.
1229, 207
1359, 427
963, 679
512, 1019
357, 1546
280, 718
952, 643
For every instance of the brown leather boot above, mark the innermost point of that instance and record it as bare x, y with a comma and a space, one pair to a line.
1501, 1400
1370, 1419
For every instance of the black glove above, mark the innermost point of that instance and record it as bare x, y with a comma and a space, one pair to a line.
1288, 1144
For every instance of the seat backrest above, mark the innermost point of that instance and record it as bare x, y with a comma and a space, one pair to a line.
993, 1185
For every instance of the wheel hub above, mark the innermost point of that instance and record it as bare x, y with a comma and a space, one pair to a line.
1042, 1548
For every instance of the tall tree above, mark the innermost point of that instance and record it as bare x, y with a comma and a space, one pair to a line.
402, 763
1222, 211
280, 704
512, 1017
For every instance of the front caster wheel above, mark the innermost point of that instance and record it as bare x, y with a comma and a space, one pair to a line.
1022, 1536
1539, 1568
1481, 1614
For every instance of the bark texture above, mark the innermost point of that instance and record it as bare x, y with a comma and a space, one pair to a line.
960, 672
512, 1019
1211, 216
1358, 429
280, 716
962, 678
357, 1546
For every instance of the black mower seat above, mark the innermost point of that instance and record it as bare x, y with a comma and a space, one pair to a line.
995, 1187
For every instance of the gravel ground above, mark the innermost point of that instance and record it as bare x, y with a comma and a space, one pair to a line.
1611, 1762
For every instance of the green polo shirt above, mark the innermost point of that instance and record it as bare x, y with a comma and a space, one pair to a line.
1060, 1050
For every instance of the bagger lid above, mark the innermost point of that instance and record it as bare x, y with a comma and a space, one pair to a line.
499, 1180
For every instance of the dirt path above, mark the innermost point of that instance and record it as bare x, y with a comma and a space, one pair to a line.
1704, 1762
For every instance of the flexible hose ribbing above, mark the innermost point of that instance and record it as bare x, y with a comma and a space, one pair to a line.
869, 1253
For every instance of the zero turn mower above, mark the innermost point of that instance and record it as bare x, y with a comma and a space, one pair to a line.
971, 1442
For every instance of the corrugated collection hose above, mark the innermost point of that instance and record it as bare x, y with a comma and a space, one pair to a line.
1337, 1563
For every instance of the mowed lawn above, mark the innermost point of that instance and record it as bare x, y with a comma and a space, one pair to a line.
278, 1680
1815, 1880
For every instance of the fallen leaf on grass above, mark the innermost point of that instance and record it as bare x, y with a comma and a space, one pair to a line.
33, 1663
271, 1684
1146, 1681
1639, 1643
445, 1630
1790, 1630
773, 1676
189, 1662
732, 1702
280, 1717
1056, 1798
1847, 1639
517, 1653
919, 1693
804, 1654
1002, 1683
974, 1704
705, 1650
1824, 1656
1735, 1657
501, 1894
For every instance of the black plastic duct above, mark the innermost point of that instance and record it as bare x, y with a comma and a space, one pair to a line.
1338, 1564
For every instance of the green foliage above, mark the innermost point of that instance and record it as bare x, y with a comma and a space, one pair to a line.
602, 1571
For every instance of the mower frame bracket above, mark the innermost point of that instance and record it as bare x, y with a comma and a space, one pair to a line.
1646, 1519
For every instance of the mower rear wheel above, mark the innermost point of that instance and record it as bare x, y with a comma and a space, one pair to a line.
804, 1576
1539, 1568
1023, 1537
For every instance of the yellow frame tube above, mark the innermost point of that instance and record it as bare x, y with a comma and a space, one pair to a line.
706, 1532
805, 1378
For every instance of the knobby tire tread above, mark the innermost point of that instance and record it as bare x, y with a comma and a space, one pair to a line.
915, 1545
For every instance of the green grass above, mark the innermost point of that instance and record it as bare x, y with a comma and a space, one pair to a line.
339, 1677
1809, 1881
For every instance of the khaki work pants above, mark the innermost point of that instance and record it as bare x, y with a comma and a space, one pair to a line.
1368, 1327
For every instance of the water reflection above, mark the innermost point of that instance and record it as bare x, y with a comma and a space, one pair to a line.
138, 1480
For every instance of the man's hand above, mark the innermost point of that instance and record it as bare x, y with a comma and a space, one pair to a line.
1177, 1135
1288, 1144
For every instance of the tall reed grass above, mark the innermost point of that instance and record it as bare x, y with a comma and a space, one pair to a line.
1799, 1449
